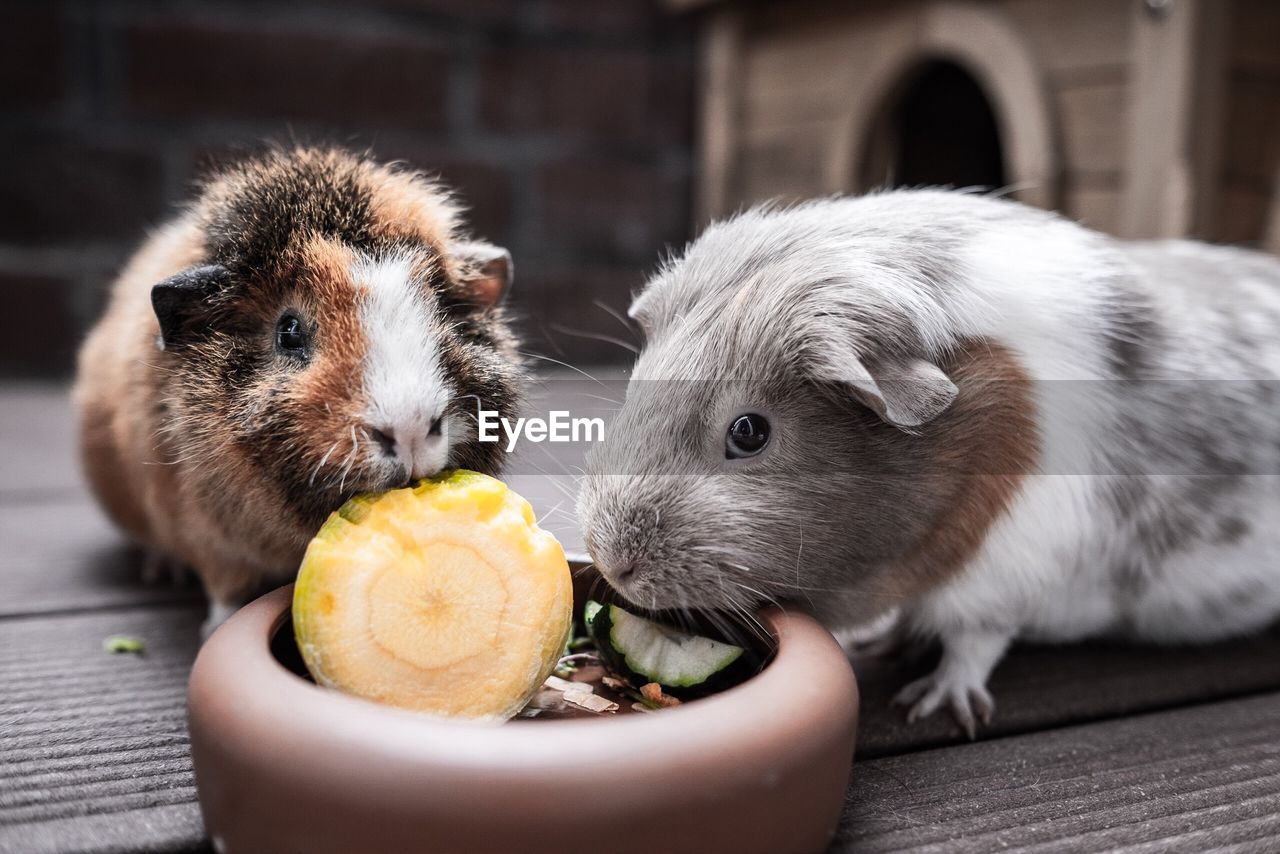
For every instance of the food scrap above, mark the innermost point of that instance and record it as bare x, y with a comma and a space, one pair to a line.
123, 644
652, 696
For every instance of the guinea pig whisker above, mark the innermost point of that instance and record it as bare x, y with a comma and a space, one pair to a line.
718, 622
561, 364
546, 453
799, 555
759, 594
626, 322
476, 397
568, 493
539, 520
349, 460
603, 399
596, 336
682, 613
745, 620
568, 517
720, 580
323, 460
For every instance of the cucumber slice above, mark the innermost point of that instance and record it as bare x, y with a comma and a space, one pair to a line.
644, 651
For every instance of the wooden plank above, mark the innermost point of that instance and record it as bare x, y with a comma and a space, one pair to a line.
1207, 137
1074, 38
1252, 144
93, 746
1092, 126
1271, 239
1242, 212
1042, 687
786, 165
1254, 34
62, 554
809, 67
161, 829
719, 96
1095, 207
37, 441
1182, 780
1174, 126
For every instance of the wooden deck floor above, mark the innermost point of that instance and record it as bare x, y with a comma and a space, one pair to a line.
1094, 747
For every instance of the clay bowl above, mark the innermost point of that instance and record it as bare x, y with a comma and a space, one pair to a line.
282, 764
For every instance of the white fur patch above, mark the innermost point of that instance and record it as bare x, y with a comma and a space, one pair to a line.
404, 382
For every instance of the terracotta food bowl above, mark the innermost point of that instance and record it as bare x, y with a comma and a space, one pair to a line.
282, 764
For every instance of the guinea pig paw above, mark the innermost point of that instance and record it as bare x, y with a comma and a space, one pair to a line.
926, 694
879, 638
219, 612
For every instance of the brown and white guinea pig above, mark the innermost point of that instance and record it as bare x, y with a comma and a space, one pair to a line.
313, 325
976, 414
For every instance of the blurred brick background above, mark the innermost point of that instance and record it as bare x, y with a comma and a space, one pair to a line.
565, 125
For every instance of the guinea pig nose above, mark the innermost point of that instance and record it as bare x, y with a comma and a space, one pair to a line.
386, 439
622, 572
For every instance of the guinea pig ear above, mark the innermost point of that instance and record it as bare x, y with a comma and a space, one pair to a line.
641, 310
488, 272
182, 300
905, 392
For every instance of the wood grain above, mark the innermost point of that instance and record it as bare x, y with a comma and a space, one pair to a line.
1181, 780
1092, 132
61, 554
37, 448
1074, 39
1045, 687
93, 746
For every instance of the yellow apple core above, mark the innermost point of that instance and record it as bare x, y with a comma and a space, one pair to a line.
445, 598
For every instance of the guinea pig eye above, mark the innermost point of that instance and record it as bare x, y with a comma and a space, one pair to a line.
748, 434
291, 336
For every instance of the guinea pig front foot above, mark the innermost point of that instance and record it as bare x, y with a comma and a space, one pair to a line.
218, 614
882, 637
960, 680
925, 695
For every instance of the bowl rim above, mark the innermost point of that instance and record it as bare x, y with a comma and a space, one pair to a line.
807, 683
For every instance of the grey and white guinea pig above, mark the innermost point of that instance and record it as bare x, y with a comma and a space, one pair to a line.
975, 414
314, 325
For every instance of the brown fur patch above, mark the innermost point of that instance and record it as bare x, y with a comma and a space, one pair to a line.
335, 300
981, 448
407, 205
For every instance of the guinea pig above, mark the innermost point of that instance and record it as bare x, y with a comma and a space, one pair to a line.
989, 418
313, 325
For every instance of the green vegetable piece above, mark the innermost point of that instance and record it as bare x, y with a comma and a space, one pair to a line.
642, 651
122, 644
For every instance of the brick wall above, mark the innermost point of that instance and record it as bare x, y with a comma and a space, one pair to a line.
565, 124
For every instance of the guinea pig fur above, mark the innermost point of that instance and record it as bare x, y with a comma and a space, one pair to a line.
991, 419
313, 325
